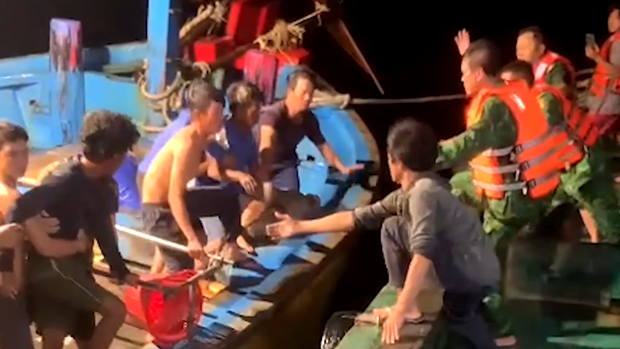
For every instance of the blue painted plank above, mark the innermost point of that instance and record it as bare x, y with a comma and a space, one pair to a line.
164, 47
94, 59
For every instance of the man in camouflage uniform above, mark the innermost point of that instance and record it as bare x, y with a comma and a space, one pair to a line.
496, 128
589, 182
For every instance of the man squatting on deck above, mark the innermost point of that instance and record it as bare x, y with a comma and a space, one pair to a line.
425, 226
80, 194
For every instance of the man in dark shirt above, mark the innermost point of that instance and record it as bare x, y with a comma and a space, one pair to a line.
80, 194
425, 226
282, 126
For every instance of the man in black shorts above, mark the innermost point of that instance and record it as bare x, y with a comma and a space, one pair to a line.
80, 194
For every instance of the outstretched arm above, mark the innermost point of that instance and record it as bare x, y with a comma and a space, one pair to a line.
494, 129
370, 216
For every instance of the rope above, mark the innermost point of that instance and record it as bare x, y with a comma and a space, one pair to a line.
285, 36
171, 99
212, 12
322, 98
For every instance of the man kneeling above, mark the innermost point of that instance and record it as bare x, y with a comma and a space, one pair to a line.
426, 227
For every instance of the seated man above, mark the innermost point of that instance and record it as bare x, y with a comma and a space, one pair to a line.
282, 126
79, 193
425, 226
166, 200
239, 165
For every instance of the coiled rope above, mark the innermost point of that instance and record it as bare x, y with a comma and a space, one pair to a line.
212, 12
286, 36
281, 38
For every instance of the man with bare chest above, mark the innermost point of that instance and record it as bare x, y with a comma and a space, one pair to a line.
165, 196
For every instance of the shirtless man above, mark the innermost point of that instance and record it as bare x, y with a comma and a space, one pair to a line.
164, 191
282, 126
14, 322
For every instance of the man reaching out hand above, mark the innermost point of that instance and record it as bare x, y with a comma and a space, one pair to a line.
425, 226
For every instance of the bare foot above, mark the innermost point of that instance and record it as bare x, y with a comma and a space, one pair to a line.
506, 341
244, 244
382, 313
232, 252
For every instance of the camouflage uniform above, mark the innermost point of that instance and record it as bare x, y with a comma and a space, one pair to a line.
589, 184
557, 75
502, 219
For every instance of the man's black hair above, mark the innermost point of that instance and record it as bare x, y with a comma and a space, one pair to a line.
10, 133
483, 54
521, 70
414, 144
106, 134
299, 74
536, 32
243, 93
200, 94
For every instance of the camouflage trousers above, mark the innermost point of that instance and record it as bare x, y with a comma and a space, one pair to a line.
594, 192
502, 220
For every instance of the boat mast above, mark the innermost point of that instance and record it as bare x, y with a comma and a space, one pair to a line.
164, 50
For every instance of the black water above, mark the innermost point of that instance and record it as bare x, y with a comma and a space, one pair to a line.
408, 43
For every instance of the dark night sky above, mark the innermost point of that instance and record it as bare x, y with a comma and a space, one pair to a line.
409, 46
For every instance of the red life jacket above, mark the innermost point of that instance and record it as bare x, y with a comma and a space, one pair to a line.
543, 67
602, 82
530, 160
569, 149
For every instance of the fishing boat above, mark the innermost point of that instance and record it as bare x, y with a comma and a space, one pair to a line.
282, 302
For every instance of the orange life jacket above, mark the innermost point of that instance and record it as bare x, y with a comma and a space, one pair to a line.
531, 161
542, 68
601, 79
580, 128
569, 151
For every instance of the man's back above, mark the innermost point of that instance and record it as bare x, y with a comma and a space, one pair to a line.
462, 254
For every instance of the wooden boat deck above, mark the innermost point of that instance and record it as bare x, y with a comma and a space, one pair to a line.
365, 336
129, 337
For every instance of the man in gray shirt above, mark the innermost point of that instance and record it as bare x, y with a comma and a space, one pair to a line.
423, 226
